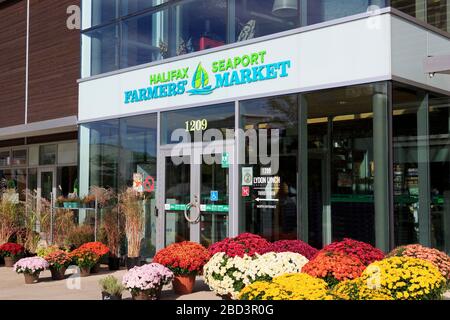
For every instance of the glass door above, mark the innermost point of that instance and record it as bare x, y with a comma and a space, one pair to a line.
197, 196
47, 183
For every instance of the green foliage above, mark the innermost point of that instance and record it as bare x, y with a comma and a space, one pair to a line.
111, 285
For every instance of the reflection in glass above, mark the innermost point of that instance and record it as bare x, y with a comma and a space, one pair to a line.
270, 209
131, 6
104, 43
440, 172
178, 191
47, 154
200, 25
104, 11
144, 39
196, 120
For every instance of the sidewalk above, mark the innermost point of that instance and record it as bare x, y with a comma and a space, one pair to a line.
13, 287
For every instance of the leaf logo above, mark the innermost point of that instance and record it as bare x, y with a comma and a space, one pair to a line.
200, 82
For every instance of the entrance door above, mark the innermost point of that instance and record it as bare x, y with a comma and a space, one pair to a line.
46, 183
197, 194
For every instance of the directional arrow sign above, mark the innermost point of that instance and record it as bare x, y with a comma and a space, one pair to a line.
270, 200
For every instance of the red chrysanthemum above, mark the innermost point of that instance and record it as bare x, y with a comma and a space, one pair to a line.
361, 250
183, 258
296, 246
11, 249
244, 244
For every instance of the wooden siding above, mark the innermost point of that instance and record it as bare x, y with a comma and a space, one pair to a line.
54, 61
12, 63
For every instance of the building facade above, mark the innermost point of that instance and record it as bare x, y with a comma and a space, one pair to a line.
319, 117
39, 68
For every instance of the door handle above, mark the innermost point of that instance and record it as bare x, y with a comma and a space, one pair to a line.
188, 208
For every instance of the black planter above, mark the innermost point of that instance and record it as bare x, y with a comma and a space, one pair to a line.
107, 296
113, 263
2, 261
133, 262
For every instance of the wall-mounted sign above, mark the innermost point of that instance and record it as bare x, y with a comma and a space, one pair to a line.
138, 182
247, 176
214, 196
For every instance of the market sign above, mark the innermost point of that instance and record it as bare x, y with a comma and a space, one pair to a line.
214, 208
206, 79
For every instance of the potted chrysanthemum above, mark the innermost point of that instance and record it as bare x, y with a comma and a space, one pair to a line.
85, 259
186, 260
146, 282
31, 268
58, 262
11, 252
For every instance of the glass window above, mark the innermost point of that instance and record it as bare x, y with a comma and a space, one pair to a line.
67, 153
5, 158
341, 164
410, 163
104, 49
269, 175
67, 178
256, 18
437, 13
104, 154
190, 121
32, 179
144, 39
200, 24
47, 154
440, 172
131, 6
104, 11
19, 157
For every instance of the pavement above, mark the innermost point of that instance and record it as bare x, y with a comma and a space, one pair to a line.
13, 287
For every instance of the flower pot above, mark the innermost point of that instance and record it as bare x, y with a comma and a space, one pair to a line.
107, 296
10, 261
113, 263
146, 295
133, 262
183, 284
85, 272
2, 261
31, 278
96, 268
58, 274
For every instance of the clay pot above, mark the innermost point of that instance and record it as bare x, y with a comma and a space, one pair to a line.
31, 278
183, 284
85, 272
145, 295
58, 274
10, 261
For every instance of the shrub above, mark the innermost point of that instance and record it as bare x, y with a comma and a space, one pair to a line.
296, 246
358, 289
361, 250
440, 259
80, 235
30, 265
244, 244
298, 286
334, 267
183, 258
227, 276
406, 278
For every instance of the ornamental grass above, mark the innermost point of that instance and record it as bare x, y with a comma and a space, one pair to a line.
133, 212
440, 259
406, 278
334, 267
183, 258
361, 250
